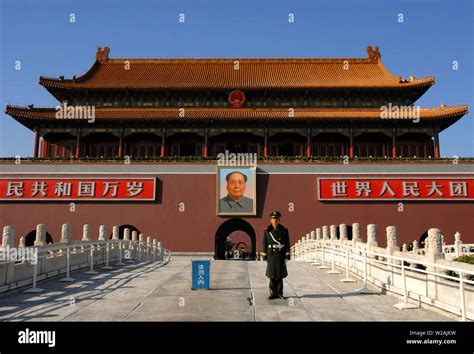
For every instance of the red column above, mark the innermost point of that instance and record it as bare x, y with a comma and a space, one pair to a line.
436, 143
43, 148
78, 143
265, 143
308, 142
206, 142
36, 148
351, 143
163, 142
120, 147
394, 142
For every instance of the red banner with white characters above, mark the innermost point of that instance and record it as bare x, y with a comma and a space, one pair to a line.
379, 188
100, 189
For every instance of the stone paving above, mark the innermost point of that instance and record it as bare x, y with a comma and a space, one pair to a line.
154, 292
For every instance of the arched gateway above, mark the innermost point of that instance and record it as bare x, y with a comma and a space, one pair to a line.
226, 229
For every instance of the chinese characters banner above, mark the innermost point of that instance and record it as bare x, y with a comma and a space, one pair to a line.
100, 189
396, 189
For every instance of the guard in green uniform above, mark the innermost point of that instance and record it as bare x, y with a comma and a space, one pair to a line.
276, 251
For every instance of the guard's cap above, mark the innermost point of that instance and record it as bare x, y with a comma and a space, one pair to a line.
275, 214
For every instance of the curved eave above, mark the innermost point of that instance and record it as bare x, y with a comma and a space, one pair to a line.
57, 84
254, 74
35, 117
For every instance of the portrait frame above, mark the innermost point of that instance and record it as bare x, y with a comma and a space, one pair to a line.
250, 191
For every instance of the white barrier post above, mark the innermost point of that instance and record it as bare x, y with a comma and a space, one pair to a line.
68, 278
347, 279
120, 263
160, 252
365, 289
140, 243
154, 250
313, 247
91, 270
463, 299
323, 266
135, 244
107, 256
126, 238
333, 270
34, 289
405, 304
318, 238
148, 244
303, 240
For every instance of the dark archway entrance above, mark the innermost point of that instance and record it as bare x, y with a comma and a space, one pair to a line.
226, 229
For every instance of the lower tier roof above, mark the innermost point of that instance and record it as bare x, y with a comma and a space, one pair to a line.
35, 117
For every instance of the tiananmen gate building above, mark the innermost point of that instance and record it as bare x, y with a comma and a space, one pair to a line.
135, 143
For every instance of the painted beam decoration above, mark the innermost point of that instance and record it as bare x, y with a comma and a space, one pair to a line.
90, 189
379, 188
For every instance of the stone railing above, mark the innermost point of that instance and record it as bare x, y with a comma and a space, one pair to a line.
458, 248
23, 266
426, 277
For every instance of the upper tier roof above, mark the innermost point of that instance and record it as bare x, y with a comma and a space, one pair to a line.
108, 73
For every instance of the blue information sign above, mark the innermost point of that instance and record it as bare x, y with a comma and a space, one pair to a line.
201, 275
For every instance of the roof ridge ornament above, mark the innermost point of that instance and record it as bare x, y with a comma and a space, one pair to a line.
374, 53
102, 55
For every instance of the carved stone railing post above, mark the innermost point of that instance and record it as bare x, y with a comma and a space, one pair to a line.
127, 245
102, 233
154, 248
160, 251
40, 235
415, 247
356, 233
8, 236
325, 232
22, 244
115, 236
86, 233
318, 234
333, 232
372, 235
457, 243
140, 246
392, 242
434, 245
433, 252
115, 233
343, 232
65, 234
126, 234
313, 235
414, 251
135, 242
371, 239
148, 245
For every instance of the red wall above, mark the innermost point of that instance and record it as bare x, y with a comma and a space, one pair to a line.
195, 229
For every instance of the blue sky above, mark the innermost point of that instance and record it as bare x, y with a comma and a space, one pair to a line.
40, 35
